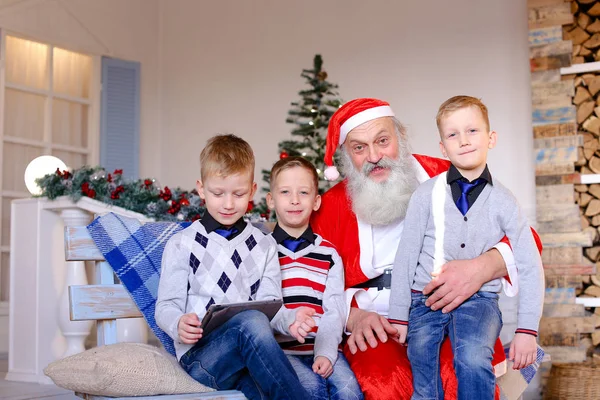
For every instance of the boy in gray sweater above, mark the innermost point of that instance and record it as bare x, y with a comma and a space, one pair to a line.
222, 259
460, 215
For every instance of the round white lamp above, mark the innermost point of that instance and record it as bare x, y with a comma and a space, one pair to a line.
40, 167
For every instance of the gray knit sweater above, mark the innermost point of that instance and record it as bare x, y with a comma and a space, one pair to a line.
436, 232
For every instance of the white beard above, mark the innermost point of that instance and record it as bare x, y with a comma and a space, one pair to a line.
381, 203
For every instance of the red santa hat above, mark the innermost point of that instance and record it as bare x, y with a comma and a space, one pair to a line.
352, 114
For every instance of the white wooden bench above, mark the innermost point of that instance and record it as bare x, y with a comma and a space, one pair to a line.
105, 302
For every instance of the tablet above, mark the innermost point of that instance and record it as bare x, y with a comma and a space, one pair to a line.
218, 314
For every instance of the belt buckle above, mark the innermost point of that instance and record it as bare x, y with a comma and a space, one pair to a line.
386, 282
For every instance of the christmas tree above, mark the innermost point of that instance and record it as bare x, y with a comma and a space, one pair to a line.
310, 117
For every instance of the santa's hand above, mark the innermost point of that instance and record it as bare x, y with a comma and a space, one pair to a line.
303, 324
322, 366
454, 283
367, 327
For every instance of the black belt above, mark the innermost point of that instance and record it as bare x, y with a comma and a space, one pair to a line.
383, 281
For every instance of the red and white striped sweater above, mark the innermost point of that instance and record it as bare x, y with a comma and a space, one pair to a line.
314, 277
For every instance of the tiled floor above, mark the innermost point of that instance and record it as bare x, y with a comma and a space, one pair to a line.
24, 391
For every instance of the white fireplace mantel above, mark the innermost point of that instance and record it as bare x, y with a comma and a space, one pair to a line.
39, 329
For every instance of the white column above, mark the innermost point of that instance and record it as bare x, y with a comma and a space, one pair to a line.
74, 332
133, 330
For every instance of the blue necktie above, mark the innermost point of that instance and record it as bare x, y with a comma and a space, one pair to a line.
226, 232
293, 244
465, 189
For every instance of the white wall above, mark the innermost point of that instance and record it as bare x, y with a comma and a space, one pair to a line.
117, 28
234, 66
122, 29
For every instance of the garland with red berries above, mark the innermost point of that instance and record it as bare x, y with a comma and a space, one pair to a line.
143, 196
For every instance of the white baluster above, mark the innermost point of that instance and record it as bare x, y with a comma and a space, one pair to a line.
74, 332
134, 330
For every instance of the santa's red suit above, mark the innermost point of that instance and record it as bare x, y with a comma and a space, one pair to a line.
384, 372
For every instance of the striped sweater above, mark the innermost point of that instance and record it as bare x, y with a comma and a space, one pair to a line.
314, 277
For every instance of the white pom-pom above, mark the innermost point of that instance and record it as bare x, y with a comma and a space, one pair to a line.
331, 173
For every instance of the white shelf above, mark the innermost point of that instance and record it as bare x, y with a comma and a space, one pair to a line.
590, 178
581, 68
588, 301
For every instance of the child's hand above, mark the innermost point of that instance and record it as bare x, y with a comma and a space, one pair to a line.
523, 350
303, 323
188, 328
400, 337
322, 366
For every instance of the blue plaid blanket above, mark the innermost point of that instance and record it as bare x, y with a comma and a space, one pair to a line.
134, 251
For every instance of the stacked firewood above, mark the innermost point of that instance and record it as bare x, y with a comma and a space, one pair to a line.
587, 101
566, 121
585, 32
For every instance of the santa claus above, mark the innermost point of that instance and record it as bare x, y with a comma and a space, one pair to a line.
363, 217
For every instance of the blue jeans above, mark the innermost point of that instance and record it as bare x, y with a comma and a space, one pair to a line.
242, 354
473, 328
341, 385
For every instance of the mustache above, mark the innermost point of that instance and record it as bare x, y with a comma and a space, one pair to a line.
384, 162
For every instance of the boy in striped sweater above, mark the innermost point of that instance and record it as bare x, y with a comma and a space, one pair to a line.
312, 276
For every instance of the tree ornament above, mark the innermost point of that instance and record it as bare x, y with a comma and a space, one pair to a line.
101, 174
283, 154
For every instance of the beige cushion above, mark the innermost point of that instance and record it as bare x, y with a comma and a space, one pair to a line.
123, 369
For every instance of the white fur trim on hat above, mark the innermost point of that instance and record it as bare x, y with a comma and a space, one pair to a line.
331, 173
362, 117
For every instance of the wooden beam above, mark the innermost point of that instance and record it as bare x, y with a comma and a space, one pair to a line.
557, 211
585, 324
564, 281
551, 49
560, 225
560, 115
567, 354
540, 36
548, 76
564, 168
562, 255
559, 296
550, 62
558, 141
551, 195
560, 339
556, 155
100, 302
557, 179
550, 15
574, 239
541, 3
79, 245
564, 310
542, 91
569, 269
552, 130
